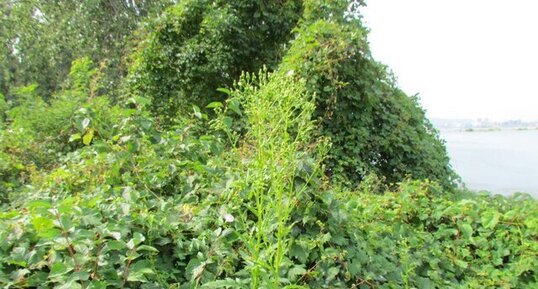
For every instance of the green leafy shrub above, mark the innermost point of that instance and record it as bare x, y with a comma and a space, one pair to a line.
74, 243
273, 154
374, 127
38, 133
121, 183
121, 212
412, 238
187, 207
415, 237
198, 46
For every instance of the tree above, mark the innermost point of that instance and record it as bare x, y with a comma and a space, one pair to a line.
41, 38
373, 125
200, 45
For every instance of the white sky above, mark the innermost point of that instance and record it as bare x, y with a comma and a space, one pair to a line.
465, 58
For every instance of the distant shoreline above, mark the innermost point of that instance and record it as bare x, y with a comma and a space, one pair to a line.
482, 125
485, 129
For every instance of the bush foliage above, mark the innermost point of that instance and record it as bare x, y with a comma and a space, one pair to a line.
374, 127
232, 161
198, 46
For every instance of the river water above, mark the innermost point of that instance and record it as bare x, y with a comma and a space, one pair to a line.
502, 162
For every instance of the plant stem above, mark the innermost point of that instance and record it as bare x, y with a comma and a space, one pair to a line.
70, 248
126, 271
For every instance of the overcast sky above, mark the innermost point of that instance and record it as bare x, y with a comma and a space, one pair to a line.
465, 58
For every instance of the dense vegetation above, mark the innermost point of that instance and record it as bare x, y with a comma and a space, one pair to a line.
230, 144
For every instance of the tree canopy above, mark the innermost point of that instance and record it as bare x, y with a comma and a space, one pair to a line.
199, 46
40, 38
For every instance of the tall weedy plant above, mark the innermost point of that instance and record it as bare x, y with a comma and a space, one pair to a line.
275, 148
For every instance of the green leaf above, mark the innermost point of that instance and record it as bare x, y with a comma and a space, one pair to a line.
214, 104
299, 252
59, 269
332, 272
87, 139
138, 238
490, 219
296, 272
45, 227
80, 276
354, 267
425, 283
467, 231
234, 106
139, 270
461, 263
224, 90
74, 137
39, 204
115, 245
18, 256
147, 248
227, 121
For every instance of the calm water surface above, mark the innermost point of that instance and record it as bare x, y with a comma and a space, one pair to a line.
502, 162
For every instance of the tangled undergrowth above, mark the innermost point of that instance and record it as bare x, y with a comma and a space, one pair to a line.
315, 171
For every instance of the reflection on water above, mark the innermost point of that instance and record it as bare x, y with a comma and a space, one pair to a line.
502, 162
